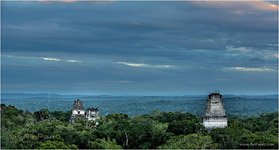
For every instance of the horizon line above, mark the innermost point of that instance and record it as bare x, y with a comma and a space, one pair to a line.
64, 94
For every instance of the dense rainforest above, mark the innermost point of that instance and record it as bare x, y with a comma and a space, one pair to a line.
163, 130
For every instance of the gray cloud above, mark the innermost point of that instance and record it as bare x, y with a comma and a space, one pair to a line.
151, 45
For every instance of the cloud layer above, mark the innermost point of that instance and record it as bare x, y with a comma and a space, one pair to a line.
247, 69
145, 65
155, 47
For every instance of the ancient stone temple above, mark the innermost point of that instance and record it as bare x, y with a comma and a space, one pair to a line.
92, 113
78, 112
215, 116
78, 108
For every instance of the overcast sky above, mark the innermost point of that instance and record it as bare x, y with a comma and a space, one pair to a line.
139, 48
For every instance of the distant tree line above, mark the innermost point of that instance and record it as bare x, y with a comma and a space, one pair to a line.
157, 130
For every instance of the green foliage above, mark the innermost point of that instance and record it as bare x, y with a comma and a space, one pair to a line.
56, 145
165, 130
139, 132
62, 116
117, 116
190, 141
103, 144
185, 127
168, 117
146, 133
226, 138
252, 132
42, 114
